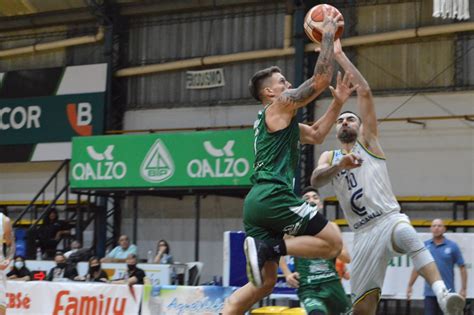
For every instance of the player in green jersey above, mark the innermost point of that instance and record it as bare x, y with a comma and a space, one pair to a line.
271, 209
319, 286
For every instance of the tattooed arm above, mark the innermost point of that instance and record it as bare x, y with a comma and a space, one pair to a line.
323, 71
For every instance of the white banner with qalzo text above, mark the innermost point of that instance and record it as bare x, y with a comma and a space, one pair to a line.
61, 298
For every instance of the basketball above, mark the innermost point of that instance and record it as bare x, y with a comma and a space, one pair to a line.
313, 22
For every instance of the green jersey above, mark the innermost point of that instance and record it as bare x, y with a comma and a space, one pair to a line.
276, 153
315, 271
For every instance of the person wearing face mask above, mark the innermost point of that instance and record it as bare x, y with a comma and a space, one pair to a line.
134, 275
19, 271
95, 272
62, 270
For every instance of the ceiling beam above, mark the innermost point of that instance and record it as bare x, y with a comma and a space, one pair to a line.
82, 15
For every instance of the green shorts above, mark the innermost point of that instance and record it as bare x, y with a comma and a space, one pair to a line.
328, 297
272, 210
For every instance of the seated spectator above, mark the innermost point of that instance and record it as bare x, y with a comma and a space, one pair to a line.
163, 253
95, 272
51, 232
62, 270
121, 252
75, 246
134, 274
19, 271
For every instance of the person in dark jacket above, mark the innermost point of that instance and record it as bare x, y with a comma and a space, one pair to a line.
62, 270
19, 271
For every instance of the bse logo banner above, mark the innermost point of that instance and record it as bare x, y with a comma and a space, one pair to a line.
185, 159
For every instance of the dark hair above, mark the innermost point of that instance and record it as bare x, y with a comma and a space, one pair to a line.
47, 220
89, 271
167, 251
255, 83
350, 112
94, 258
307, 189
19, 256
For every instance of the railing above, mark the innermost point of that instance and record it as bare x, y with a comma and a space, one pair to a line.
42, 195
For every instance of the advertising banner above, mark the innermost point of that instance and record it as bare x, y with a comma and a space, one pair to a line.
186, 159
184, 300
61, 298
42, 109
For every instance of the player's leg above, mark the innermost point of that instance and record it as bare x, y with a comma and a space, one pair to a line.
369, 265
337, 300
311, 300
406, 240
243, 299
320, 240
367, 305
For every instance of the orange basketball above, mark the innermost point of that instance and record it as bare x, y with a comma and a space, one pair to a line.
313, 22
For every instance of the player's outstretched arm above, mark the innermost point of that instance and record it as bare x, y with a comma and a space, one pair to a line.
325, 171
317, 132
323, 71
364, 94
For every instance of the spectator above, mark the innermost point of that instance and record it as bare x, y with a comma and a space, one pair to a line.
163, 253
19, 271
51, 232
446, 254
95, 272
122, 251
134, 274
75, 246
62, 270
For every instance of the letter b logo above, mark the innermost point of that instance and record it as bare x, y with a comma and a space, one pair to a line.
84, 114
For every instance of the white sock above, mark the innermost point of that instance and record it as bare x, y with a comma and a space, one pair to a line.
438, 288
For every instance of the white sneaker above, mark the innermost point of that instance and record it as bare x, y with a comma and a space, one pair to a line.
451, 303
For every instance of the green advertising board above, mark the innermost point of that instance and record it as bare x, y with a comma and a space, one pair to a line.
186, 159
50, 118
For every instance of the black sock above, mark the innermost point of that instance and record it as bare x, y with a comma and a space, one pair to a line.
277, 246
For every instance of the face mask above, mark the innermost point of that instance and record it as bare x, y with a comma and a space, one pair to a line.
95, 268
61, 265
19, 264
131, 267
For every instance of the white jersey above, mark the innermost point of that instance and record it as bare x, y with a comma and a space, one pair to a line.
364, 193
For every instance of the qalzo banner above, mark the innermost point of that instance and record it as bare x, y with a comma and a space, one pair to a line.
185, 159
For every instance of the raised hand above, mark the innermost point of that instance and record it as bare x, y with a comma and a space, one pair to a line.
332, 20
343, 88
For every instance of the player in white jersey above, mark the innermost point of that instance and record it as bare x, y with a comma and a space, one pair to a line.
359, 175
6, 238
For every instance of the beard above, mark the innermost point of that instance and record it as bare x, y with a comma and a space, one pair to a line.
347, 135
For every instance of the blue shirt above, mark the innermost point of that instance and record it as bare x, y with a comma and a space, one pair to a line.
119, 253
445, 255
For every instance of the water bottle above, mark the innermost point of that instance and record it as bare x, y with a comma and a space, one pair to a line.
39, 255
150, 257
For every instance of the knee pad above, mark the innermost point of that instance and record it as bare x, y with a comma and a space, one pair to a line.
407, 240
